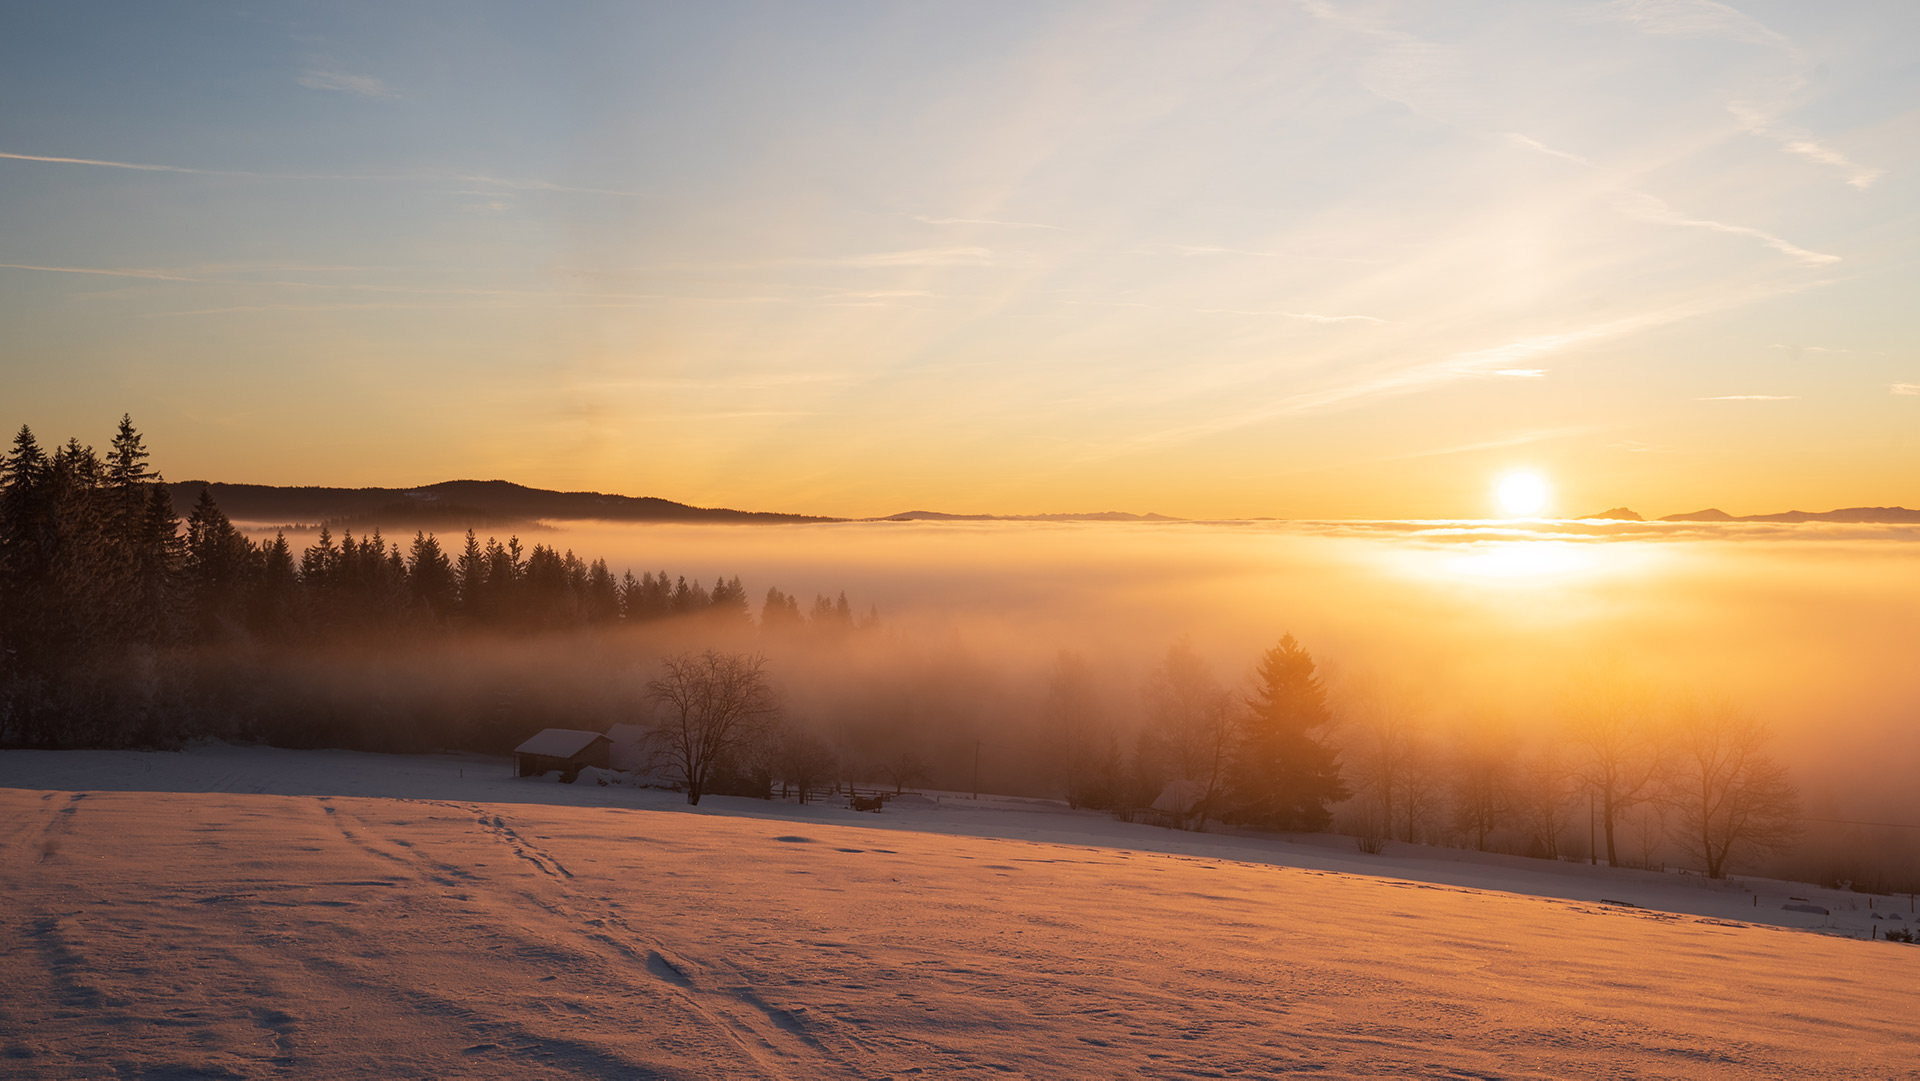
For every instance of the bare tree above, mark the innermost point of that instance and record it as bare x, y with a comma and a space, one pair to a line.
1072, 716
804, 761
1621, 753
1419, 784
1379, 746
1544, 794
902, 770
710, 705
1729, 795
1189, 721
1482, 777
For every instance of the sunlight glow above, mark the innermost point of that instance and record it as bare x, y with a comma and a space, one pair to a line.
1520, 560
1523, 495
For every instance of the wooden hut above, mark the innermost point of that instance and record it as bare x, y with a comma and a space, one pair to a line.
566, 749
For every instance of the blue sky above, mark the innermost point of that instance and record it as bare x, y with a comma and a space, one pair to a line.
1209, 259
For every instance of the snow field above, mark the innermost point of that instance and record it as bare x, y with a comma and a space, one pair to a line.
241, 934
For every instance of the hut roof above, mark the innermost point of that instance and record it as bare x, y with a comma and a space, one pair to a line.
1180, 797
558, 743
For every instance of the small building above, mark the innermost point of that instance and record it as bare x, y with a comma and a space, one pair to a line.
566, 749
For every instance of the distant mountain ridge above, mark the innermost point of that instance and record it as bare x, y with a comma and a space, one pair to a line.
449, 504
1094, 516
477, 504
1856, 515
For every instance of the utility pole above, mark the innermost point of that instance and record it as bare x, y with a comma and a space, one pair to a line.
1593, 857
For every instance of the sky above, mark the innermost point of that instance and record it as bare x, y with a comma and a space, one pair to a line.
1308, 259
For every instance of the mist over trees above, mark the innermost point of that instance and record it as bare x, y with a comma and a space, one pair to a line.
123, 624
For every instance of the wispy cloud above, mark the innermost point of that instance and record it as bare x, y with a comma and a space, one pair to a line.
1305, 317
918, 257
1212, 249
1464, 365
381, 178
1905, 388
1648, 208
365, 86
1542, 148
1709, 18
985, 221
1750, 398
1513, 439
108, 164
1693, 18
1798, 142
109, 272
547, 185
1523, 373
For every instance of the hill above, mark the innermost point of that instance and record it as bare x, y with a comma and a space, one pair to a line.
1856, 515
450, 504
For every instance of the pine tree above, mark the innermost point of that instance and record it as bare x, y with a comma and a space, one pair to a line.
1283, 776
471, 579
431, 576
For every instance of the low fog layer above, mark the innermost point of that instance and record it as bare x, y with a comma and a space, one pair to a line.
1808, 627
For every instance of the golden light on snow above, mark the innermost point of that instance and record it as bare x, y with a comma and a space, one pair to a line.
1523, 494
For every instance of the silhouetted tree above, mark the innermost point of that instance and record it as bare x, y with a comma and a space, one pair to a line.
1544, 792
1283, 774
780, 614
1189, 732
1620, 752
1731, 797
432, 576
1071, 713
219, 569
806, 762
709, 706
1482, 776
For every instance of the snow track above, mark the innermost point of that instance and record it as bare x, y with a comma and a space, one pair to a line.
238, 935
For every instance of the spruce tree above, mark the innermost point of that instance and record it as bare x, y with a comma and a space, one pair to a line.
1283, 776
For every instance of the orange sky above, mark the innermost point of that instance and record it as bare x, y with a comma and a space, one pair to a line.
1292, 260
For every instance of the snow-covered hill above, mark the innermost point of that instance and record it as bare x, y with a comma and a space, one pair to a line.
247, 912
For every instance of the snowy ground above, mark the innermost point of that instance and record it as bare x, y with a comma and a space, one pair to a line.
248, 912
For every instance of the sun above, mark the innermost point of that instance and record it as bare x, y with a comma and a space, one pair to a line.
1523, 495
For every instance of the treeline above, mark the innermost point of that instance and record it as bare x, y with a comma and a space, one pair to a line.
1617, 775
1650, 781
1202, 754
103, 588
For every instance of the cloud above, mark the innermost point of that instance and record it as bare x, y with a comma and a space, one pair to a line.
918, 257
1750, 398
1648, 208
516, 185
545, 185
1305, 317
365, 86
110, 272
1523, 373
1412, 377
1905, 388
1209, 249
1693, 18
1542, 148
984, 221
1798, 142
104, 163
